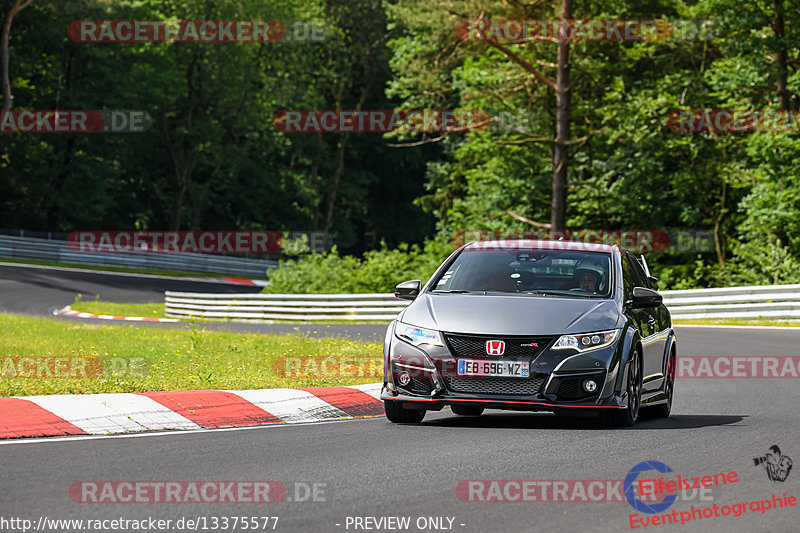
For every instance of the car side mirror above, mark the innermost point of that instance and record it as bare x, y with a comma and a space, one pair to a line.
408, 290
644, 297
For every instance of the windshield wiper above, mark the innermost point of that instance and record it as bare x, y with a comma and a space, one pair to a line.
544, 293
563, 294
458, 291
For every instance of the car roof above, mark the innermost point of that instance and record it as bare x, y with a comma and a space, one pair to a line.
544, 245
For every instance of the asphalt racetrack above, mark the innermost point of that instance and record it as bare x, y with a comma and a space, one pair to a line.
367, 470
33, 290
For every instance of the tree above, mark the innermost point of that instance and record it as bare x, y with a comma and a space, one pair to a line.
18, 6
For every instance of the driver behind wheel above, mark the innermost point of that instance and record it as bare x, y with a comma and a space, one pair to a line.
588, 280
585, 278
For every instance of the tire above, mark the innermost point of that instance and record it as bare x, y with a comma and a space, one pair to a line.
633, 385
663, 410
467, 410
398, 414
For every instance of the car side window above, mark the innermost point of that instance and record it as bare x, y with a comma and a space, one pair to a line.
637, 266
628, 278
638, 271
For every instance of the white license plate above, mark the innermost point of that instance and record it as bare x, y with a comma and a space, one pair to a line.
481, 367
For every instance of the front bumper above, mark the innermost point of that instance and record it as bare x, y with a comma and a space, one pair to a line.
514, 404
554, 383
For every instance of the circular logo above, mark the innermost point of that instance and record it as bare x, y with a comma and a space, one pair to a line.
404, 378
630, 482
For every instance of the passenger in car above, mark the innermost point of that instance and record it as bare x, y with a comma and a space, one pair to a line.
500, 281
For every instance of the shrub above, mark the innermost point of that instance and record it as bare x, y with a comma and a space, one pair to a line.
378, 271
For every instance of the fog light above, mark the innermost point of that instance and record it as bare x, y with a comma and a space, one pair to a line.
590, 385
404, 378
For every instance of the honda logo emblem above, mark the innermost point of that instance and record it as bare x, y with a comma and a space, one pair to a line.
495, 347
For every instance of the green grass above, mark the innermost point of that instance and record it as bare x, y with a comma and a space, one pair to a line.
137, 359
153, 310
737, 321
153, 272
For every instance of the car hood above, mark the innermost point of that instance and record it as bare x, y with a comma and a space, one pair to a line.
510, 315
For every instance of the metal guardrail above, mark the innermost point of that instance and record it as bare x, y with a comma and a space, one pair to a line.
757, 301
769, 301
53, 250
302, 307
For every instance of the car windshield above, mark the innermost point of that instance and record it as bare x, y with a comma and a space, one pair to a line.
532, 271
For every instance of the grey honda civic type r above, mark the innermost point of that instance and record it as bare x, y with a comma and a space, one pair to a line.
532, 326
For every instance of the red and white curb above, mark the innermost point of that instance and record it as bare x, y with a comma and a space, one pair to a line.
255, 282
67, 311
105, 414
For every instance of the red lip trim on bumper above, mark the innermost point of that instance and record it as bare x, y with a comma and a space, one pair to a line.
517, 402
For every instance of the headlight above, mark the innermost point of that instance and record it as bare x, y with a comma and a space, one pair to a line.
416, 336
586, 341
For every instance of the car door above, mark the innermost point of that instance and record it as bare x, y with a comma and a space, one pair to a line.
661, 312
653, 338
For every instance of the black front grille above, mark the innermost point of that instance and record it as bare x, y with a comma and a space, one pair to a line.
475, 345
572, 388
418, 385
495, 385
